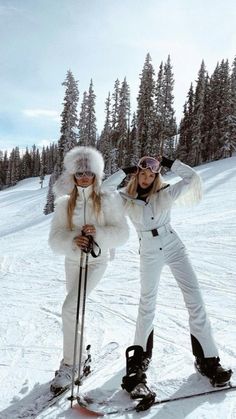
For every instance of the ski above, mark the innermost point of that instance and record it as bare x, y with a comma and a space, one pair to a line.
48, 399
104, 407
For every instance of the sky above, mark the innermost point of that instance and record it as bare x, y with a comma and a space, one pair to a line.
103, 40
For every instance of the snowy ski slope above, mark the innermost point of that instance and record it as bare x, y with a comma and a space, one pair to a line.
32, 292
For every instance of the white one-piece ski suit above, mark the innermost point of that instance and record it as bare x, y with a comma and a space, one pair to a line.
160, 245
111, 231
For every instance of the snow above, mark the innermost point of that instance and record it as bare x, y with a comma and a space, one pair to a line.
33, 289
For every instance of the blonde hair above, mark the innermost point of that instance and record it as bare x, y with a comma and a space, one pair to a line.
132, 186
96, 199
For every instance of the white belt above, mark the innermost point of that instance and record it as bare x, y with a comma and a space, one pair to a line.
155, 231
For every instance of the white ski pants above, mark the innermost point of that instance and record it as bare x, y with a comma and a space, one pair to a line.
96, 269
155, 252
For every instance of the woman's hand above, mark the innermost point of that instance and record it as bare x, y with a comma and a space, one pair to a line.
165, 161
131, 170
89, 230
82, 242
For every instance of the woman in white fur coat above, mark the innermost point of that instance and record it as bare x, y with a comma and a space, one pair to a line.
82, 211
148, 202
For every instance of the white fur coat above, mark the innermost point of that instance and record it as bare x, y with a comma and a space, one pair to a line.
111, 225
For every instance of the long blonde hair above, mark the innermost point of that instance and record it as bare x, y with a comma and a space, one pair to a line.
132, 185
96, 199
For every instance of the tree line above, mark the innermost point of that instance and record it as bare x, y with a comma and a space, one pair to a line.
207, 130
30, 163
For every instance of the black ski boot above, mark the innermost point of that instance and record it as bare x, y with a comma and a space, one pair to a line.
135, 380
134, 372
211, 368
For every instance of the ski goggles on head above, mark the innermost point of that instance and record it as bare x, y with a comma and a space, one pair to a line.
79, 175
149, 163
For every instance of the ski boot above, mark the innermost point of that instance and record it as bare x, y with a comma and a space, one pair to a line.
63, 376
135, 380
212, 369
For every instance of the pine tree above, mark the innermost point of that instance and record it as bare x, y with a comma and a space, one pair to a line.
5, 166
224, 110
87, 120
35, 158
51, 158
17, 165
114, 138
83, 134
49, 207
43, 166
186, 129
198, 116
231, 141
43, 161
91, 117
206, 123
220, 121
159, 111
9, 171
26, 164
115, 106
2, 171
10, 177
69, 121
14, 164
133, 144
169, 128
68, 131
123, 124
213, 113
145, 109
104, 143
233, 88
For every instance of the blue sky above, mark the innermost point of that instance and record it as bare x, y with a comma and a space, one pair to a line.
103, 40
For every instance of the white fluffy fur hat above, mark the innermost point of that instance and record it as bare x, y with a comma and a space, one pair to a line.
84, 159
79, 159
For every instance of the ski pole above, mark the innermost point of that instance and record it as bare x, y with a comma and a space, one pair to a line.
71, 398
82, 318
82, 312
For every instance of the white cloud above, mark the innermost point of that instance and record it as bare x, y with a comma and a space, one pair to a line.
38, 113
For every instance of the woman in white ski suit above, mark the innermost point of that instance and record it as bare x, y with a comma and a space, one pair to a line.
160, 245
94, 213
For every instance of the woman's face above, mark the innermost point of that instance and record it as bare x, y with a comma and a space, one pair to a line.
84, 179
145, 178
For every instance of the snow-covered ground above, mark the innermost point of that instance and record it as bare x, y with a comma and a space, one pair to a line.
33, 289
